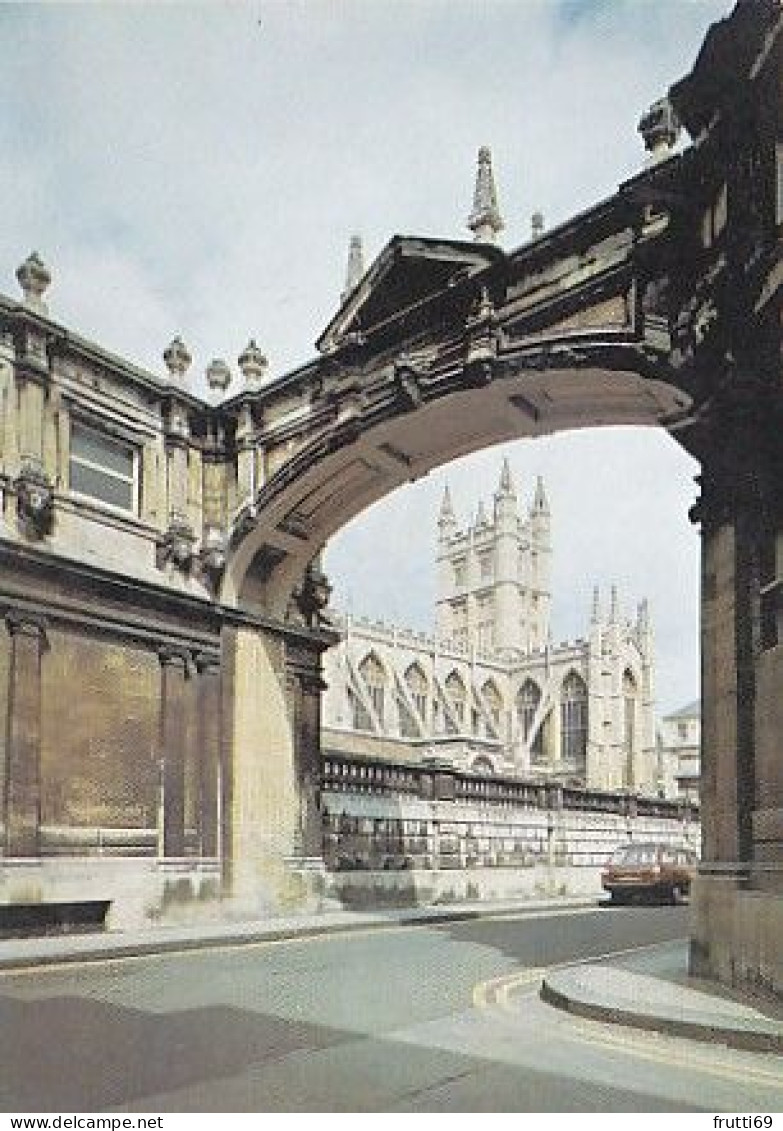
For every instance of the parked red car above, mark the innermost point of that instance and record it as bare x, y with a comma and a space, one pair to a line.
647, 868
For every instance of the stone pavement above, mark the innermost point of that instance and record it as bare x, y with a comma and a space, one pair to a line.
652, 990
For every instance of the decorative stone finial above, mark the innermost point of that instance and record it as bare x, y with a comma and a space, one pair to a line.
485, 220
34, 277
177, 358
506, 485
218, 375
536, 226
354, 269
540, 501
446, 518
481, 515
660, 129
253, 365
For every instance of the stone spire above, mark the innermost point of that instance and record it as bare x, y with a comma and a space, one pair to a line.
643, 617
540, 500
536, 226
614, 606
481, 515
595, 611
485, 220
506, 485
34, 277
446, 518
354, 269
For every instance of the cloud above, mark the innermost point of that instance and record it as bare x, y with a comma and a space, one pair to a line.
198, 169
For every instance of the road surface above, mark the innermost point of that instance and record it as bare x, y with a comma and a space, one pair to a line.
413, 1018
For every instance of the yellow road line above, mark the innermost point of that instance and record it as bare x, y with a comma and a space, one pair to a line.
497, 993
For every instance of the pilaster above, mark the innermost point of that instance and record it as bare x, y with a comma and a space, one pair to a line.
22, 786
209, 754
174, 663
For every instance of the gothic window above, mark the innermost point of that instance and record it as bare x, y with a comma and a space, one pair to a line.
103, 467
455, 689
573, 722
409, 728
416, 682
360, 720
460, 573
372, 672
528, 700
486, 567
491, 697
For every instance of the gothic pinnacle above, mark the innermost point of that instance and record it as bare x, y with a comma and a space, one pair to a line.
595, 612
485, 220
446, 507
354, 268
540, 501
536, 226
506, 485
614, 606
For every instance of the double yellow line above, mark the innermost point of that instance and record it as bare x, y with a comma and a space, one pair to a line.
495, 993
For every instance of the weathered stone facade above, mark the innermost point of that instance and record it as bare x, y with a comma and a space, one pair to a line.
128, 695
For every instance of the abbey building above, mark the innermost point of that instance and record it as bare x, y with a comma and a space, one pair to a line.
489, 691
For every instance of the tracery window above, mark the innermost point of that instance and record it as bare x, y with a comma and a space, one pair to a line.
528, 700
455, 689
360, 719
372, 672
416, 682
573, 722
491, 697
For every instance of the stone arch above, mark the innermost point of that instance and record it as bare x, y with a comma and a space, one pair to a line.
483, 764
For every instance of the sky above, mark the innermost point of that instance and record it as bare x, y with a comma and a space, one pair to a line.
198, 170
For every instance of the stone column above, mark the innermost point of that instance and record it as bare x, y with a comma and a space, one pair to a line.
209, 763
308, 761
22, 800
174, 672
735, 450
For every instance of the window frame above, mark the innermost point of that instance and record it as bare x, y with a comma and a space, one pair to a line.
110, 438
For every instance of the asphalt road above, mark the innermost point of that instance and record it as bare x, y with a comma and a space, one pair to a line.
402, 1019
